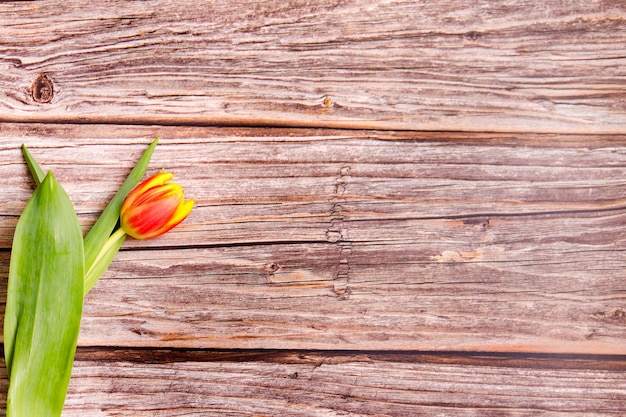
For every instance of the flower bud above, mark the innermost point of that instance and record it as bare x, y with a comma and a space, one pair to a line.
154, 207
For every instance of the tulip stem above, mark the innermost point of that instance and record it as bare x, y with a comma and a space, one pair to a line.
104, 258
105, 225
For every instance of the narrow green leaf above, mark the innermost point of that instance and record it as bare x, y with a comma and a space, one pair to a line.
44, 303
104, 226
33, 166
104, 259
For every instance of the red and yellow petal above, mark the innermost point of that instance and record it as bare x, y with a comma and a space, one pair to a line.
154, 207
155, 180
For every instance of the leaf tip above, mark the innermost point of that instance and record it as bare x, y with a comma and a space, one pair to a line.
25, 151
49, 179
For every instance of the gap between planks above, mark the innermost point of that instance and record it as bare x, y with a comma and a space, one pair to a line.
318, 357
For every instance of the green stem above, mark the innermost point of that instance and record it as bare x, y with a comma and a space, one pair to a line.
104, 226
104, 258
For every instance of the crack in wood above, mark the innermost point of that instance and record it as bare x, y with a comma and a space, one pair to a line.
316, 357
337, 234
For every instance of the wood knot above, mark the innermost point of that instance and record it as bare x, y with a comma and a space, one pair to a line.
618, 314
272, 269
43, 89
472, 36
483, 223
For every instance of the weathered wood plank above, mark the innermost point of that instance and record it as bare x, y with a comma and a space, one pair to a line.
289, 185
319, 239
295, 296
238, 384
506, 65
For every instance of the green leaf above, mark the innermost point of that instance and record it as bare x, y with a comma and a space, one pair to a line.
44, 303
104, 259
101, 231
33, 166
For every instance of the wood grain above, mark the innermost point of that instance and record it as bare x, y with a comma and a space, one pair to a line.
237, 384
331, 239
403, 208
501, 66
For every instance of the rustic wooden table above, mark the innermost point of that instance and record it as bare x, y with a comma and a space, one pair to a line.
403, 208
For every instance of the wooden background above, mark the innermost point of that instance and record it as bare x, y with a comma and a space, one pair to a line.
404, 208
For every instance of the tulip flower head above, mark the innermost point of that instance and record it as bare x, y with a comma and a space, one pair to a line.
154, 207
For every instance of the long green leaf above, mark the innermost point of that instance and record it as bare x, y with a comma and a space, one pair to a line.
102, 229
44, 303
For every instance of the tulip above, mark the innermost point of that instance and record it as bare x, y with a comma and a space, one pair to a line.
150, 209
53, 267
154, 207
